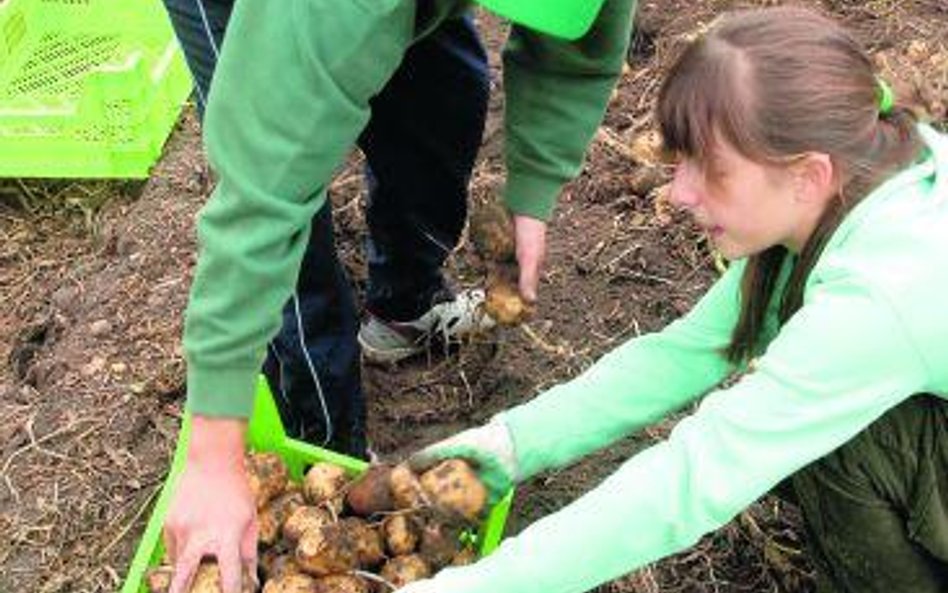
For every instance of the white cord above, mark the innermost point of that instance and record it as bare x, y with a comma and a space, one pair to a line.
312, 368
207, 29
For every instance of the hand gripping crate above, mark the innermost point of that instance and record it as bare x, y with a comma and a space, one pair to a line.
88, 88
265, 433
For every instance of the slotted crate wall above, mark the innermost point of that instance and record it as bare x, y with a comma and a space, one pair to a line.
88, 88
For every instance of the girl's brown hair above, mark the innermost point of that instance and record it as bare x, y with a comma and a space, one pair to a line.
776, 83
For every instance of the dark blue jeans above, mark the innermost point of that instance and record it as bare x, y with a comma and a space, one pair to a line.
420, 145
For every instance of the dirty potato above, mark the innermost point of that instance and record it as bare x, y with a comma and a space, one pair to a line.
324, 481
274, 514
464, 557
291, 583
503, 302
371, 493
401, 570
207, 579
492, 232
401, 534
342, 583
439, 544
452, 485
406, 489
367, 541
277, 562
328, 550
267, 475
305, 519
158, 579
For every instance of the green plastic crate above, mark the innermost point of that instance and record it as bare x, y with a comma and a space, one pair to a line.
265, 433
88, 88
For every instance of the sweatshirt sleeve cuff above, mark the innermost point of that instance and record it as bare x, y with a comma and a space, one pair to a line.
531, 195
221, 392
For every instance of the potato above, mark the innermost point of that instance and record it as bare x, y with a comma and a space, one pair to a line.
371, 493
274, 514
277, 562
368, 541
504, 303
342, 583
401, 534
440, 543
401, 570
303, 520
406, 489
158, 579
207, 579
464, 557
492, 232
267, 475
324, 481
330, 549
454, 486
291, 583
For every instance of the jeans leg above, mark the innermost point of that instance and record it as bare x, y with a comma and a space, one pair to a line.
199, 26
875, 508
420, 145
313, 365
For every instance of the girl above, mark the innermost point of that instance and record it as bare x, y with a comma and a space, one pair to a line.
833, 204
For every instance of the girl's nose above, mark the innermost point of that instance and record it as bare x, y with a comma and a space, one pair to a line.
685, 191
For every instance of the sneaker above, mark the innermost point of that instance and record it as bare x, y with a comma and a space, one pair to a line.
386, 342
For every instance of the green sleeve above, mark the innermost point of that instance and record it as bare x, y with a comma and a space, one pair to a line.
636, 384
289, 98
556, 93
840, 363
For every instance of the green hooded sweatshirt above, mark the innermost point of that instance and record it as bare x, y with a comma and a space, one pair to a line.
291, 95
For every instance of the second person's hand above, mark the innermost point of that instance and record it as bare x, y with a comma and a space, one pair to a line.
530, 235
212, 513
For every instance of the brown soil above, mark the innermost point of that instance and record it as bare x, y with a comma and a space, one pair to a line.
94, 278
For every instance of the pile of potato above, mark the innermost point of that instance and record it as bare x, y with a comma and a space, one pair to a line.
373, 534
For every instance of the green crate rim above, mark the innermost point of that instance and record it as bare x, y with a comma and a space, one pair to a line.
265, 433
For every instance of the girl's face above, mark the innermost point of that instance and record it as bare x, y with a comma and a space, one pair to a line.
745, 207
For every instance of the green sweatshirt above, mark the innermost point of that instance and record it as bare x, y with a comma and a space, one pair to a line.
870, 333
291, 95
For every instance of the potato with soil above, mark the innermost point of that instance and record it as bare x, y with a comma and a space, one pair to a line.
207, 579
492, 232
503, 301
267, 475
339, 547
342, 583
401, 570
439, 543
372, 492
277, 562
454, 486
401, 533
368, 541
273, 515
305, 519
407, 491
291, 583
324, 482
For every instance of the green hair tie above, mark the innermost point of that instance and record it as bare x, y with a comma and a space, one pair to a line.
886, 96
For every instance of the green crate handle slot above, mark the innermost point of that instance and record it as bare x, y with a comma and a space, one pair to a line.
265, 433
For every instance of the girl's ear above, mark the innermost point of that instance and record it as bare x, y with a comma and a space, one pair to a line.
815, 178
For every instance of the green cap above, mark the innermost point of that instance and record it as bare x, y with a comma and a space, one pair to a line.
569, 19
